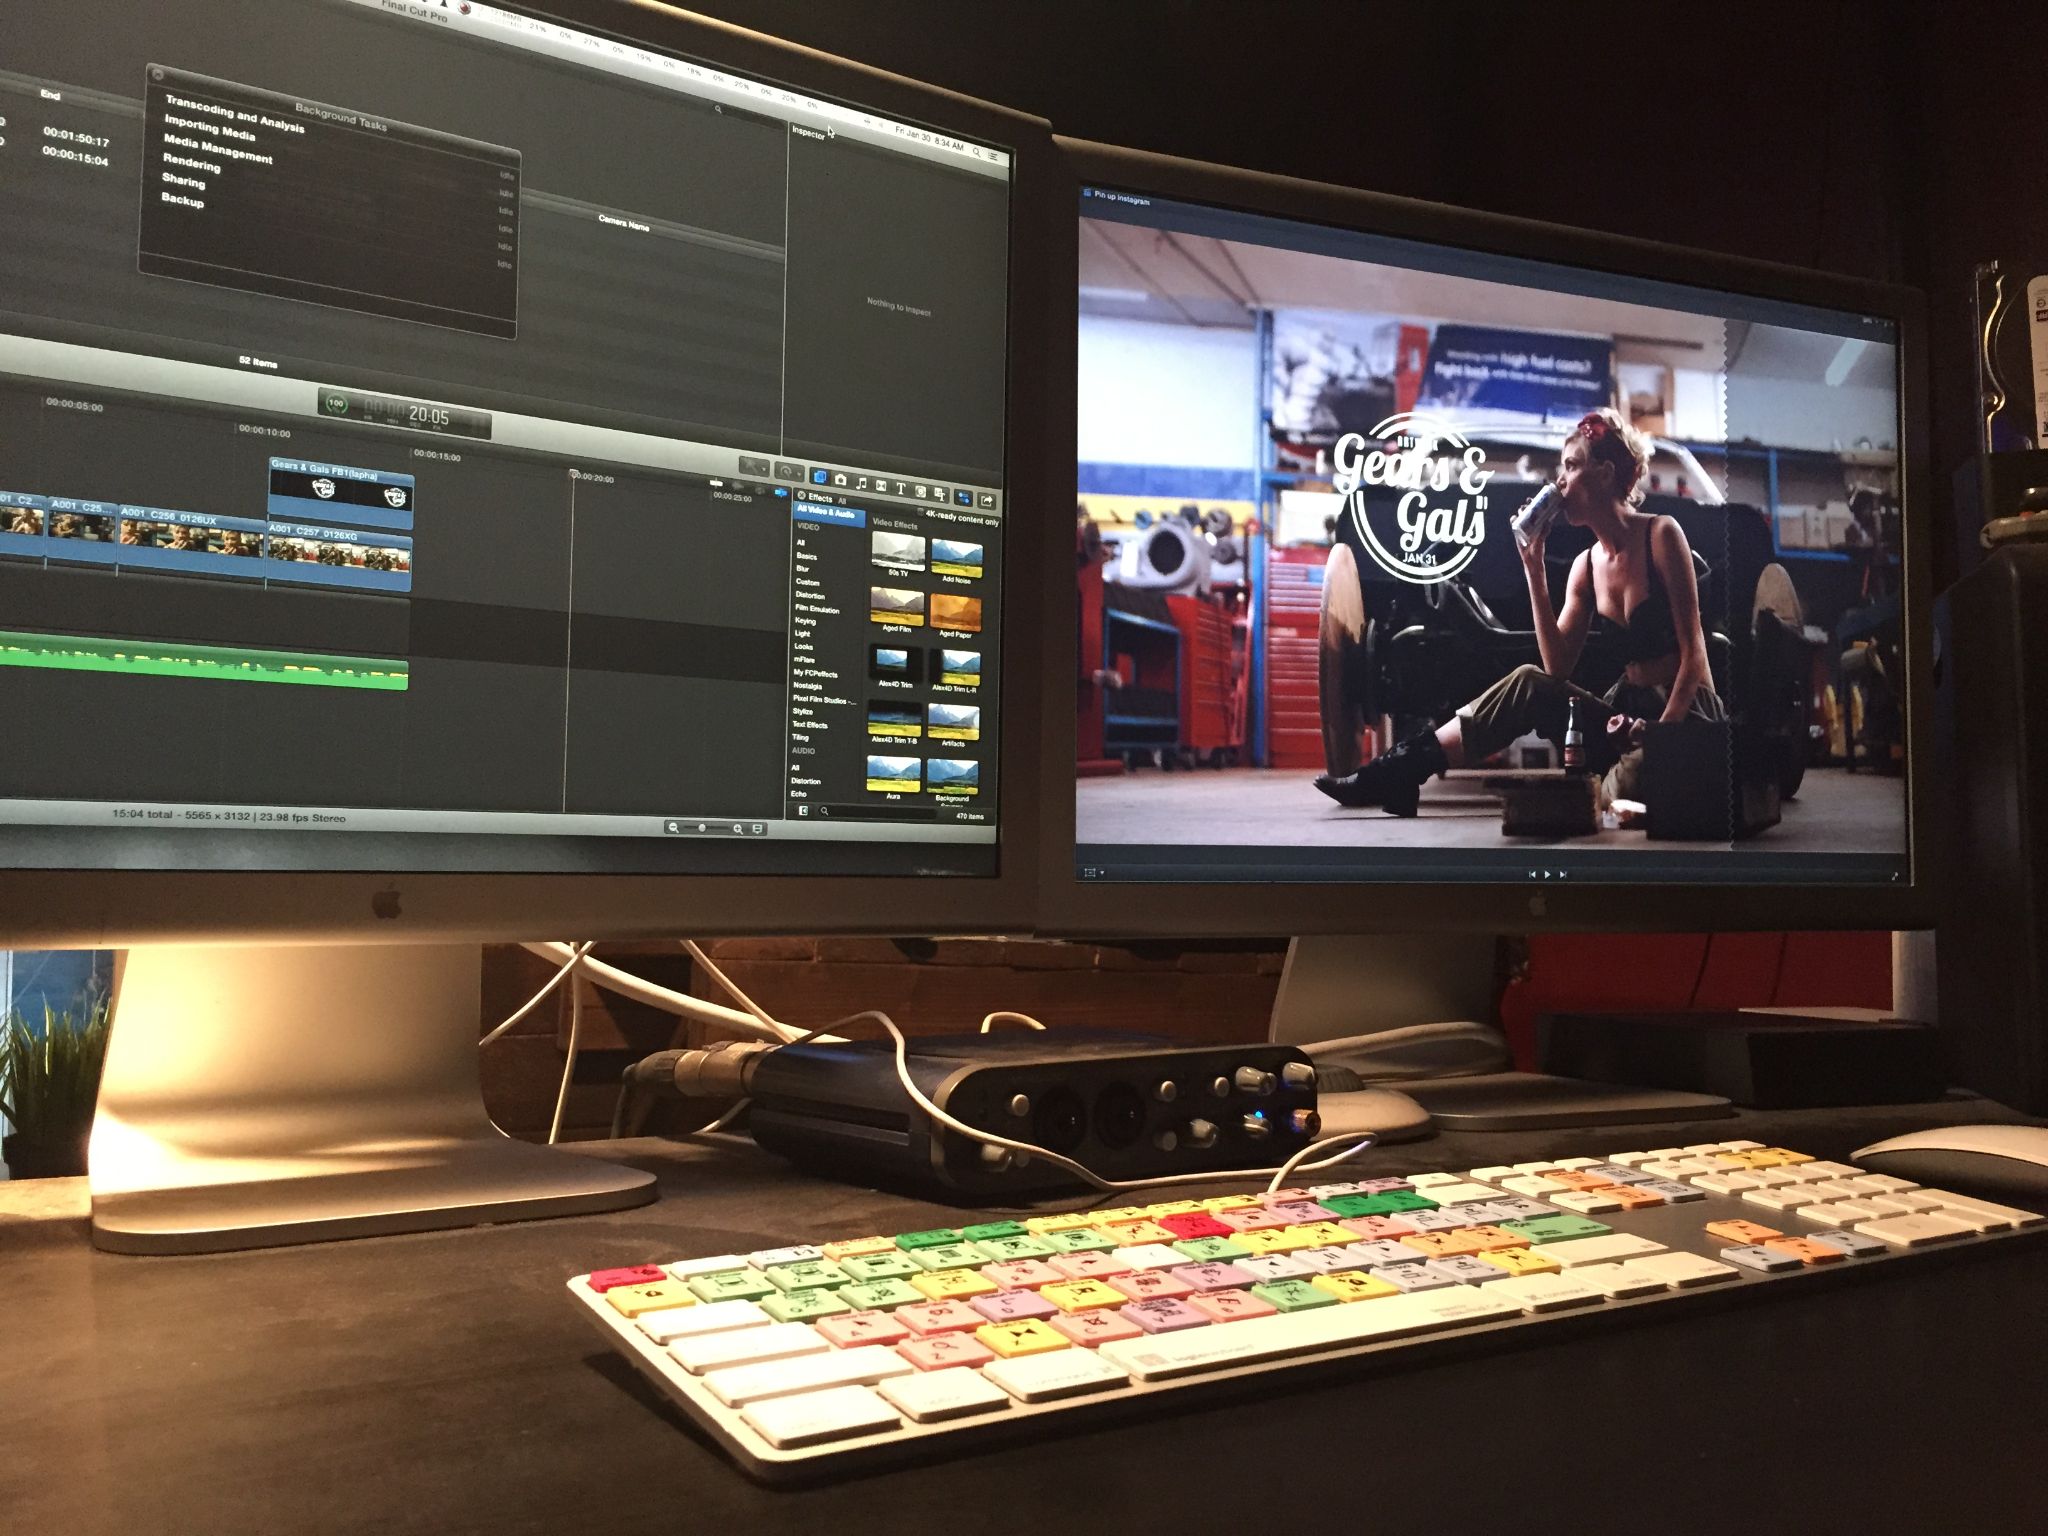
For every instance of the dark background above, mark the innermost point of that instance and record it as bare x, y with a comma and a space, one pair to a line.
1884, 140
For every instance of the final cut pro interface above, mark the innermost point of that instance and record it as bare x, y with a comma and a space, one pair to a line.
432, 437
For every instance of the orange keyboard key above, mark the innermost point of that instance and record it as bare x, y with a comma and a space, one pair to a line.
1572, 1178
1632, 1198
1496, 1239
1806, 1250
1445, 1245
1742, 1232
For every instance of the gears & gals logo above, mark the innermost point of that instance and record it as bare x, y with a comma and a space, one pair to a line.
1438, 480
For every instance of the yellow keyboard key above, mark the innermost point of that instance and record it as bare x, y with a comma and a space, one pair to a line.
1790, 1158
1520, 1261
1129, 1234
1172, 1208
1354, 1285
1083, 1295
1067, 1223
632, 1300
1229, 1203
953, 1284
858, 1247
1276, 1240
1325, 1234
1025, 1338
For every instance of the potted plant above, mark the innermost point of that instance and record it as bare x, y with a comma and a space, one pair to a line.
49, 1083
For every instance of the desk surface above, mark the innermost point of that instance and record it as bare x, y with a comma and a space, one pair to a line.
442, 1382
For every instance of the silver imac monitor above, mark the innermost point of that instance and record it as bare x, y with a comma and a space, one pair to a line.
473, 474
1439, 573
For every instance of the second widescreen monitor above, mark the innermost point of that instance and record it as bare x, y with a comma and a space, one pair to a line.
1441, 565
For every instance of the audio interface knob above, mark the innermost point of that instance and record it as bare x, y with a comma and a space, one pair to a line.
1304, 1122
1020, 1105
1254, 1081
1255, 1127
1201, 1133
996, 1159
1220, 1088
1166, 1092
1166, 1141
1298, 1074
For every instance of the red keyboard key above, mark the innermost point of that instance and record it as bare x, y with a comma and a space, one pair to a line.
640, 1274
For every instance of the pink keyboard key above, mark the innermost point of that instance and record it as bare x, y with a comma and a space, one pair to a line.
1231, 1306
1254, 1219
1014, 1306
1022, 1274
1102, 1326
1375, 1228
1088, 1266
1165, 1316
1283, 1197
640, 1274
1299, 1211
1215, 1276
849, 1330
940, 1317
945, 1350
1153, 1285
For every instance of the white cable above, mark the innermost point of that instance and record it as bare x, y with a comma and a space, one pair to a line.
1081, 1171
1009, 1017
575, 957
732, 990
681, 1004
569, 1060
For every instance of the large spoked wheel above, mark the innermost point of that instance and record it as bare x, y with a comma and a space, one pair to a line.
1344, 663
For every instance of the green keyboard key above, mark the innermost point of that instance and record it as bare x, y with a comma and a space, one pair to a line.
948, 1256
1208, 1250
1294, 1295
1392, 1202
1079, 1240
1555, 1229
1022, 1246
803, 1306
989, 1231
879, 1266
811, 1275
881, 1296
733, 1285
1352, 1205
908, 1241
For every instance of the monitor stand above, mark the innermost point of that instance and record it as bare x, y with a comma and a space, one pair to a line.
1406, 1012
266, 1095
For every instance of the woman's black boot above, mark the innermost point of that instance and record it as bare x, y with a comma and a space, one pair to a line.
1393, 782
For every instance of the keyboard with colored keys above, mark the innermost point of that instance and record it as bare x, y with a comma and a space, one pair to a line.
810, 1359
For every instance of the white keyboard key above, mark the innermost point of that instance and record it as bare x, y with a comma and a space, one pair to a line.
1572, 1164
1839, 1213
1064, 1372
712, 1317
2012, 1216
1909, 1202
1838, 1189
1742, 1146
1662, 1154
1547, 1162
863, 1366
926, 1397
1977, 1221
1574, 1251
1916, 1231
812, 1417
1496, 1173
1195, 1351
1631, 1159
744, 1346
1885, 1183
1774, 1178
1533, 1184
802, 1253
1426, 1180
1618, 1280
1683, 1270
1726, 1183
1545, 1293
1584, 1201
1865, 1184
1782, 1199
1689, 1165
1459, 1194
686, 1269
1150, 1256
1665, 1168
1826, 1170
